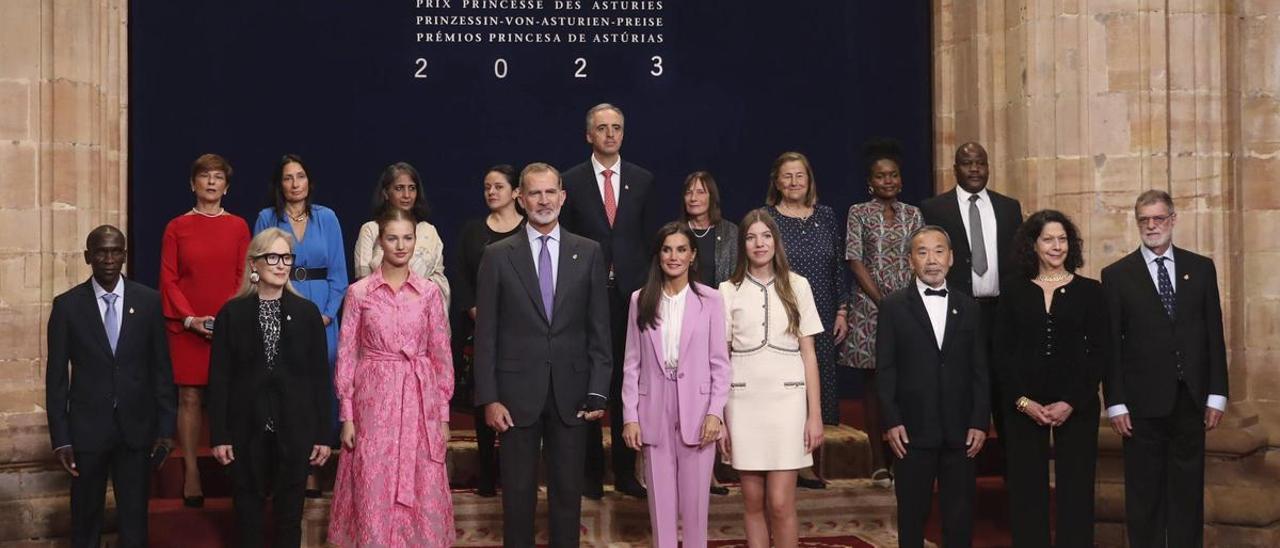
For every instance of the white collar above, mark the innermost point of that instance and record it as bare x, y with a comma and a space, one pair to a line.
534, 234
679, 296
1150, 256
964, 195
99, 291
921, 286
599, 167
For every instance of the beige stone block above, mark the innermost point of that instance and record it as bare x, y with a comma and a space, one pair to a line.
1110, 125
76, 174
21, 333
20, 33
18, 181
1263, 382
1183, 46
1260, 118
1261, 42
1124, 52
1261, 183
1258, 8
75, 112
1261, 231
15, 110
68, 232
1262, 311
79, 32
1118, 172
18, 221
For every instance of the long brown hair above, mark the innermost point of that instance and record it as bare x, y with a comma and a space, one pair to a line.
651, 292
781, 267
713, 196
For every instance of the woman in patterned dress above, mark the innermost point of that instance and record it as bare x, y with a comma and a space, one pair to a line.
394, 381
878, 237
201, 263
812, 235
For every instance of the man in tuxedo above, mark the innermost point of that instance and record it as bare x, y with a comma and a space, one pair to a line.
1166, 383
981, 224
931, 356
609, 201
542, 358
109, 391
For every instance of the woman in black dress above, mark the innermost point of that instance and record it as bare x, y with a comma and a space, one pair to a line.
501, 186
1049, 345
717, 237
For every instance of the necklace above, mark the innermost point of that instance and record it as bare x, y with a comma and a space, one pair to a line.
218, 214
702, 234
1054, 278
299, 217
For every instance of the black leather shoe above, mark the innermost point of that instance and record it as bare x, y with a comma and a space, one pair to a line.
631, 488
719, 490
810, 483
312, 493
193, 502
486, 489
595, 492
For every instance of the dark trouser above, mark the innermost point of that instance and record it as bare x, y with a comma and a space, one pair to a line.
1075, 453
1164, 477
624, 459
128, 469
562, 448
824, 347
913, 484
487, 467
987, 305
263, 467
881, 455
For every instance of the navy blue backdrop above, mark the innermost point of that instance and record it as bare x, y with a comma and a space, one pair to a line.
332, 80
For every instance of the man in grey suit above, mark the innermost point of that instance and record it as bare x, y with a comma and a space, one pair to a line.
542, 357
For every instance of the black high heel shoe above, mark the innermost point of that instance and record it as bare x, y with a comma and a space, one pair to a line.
193, 502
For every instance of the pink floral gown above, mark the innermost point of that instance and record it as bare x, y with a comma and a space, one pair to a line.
394, 379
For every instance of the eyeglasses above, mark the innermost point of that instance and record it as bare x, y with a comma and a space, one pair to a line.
276, 258
1159, 220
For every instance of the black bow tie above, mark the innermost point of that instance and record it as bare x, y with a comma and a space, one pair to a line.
935, 292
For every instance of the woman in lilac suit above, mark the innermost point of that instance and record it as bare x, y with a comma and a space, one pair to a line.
675, 381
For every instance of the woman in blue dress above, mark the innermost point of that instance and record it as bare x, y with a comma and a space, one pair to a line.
320, 268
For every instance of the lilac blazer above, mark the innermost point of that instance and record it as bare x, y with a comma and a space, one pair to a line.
703, 379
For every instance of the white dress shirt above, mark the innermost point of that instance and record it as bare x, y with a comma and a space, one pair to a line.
98, 292
553, 246
616, 179
986, 285
1216, 401
936, 307
671, 312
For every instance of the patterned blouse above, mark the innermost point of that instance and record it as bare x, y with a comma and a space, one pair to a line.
882, 247
269, 323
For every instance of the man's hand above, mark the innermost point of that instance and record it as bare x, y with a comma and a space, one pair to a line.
1038, 413
974, 442
319, 454
592, 407
1211, 418
67, 458
224, 454
1058, 412
710, 429
497, 417
898, 440
631, 435
1122, 425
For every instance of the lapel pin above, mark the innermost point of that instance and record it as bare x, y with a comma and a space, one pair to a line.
131, 310
626, 187
575, 256
288, 318
1063, 290
954, 311
717, 238
1186, 276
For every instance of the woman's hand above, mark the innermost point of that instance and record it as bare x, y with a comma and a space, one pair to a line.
1058, 412
841, 329
710, 429
327, 320
197, 326
631, 435
813, 433
320, 454
726, 447
348, 434
223, 454
1037, 413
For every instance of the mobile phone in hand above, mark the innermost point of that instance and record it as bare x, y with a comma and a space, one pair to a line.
208, 325
159, 455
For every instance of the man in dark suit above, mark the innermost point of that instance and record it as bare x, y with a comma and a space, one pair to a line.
932, 361
1166, 383
109, 391
609, 201
542, 358
981, 224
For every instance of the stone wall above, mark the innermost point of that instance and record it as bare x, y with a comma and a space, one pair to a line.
63, 90
1084, 104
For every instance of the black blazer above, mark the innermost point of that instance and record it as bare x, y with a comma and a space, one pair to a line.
943, 210
84, 380
239, 386
1079, 336
938, 395
626, 244
1142, 370
519, 355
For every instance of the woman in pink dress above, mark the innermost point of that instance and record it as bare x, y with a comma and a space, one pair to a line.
394, 381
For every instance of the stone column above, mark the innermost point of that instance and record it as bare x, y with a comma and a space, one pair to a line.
1083, 105
63, 123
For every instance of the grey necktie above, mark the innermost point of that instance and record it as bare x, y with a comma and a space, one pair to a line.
111, 320
977, 243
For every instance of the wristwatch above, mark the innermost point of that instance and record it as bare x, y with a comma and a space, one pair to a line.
1022, 403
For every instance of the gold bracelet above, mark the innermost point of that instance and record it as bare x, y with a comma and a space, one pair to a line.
1023, 402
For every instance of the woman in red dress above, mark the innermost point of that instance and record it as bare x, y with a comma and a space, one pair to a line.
201, 261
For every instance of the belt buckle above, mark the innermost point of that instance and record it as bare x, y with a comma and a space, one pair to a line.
300, 273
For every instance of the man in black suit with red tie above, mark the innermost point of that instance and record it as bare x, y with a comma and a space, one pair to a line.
931, 357
1166, 383
109, 391
609, 201
981, 223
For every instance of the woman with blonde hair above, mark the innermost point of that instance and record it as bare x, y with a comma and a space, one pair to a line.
269, 392
773, 413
